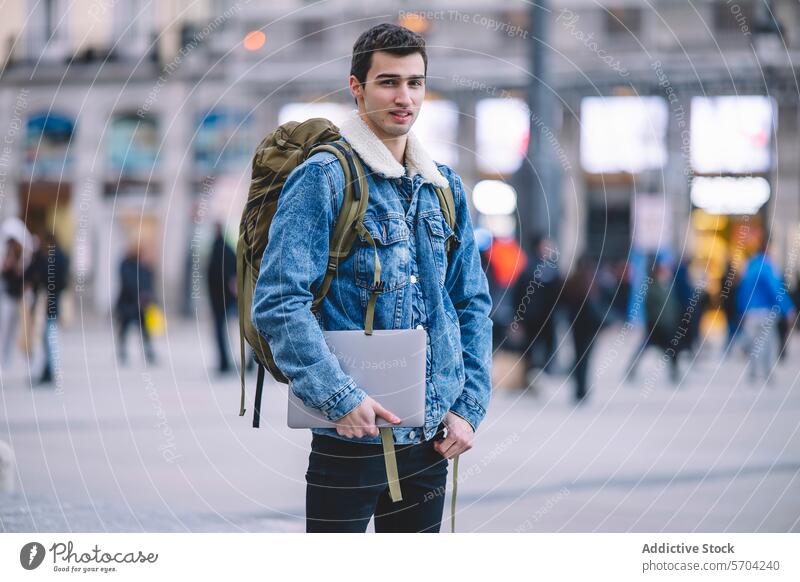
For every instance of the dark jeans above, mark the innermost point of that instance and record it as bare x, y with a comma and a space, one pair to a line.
125, 321
346, 485
541, 344
583, 342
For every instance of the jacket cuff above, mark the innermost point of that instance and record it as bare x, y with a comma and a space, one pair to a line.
469, 409
343, 402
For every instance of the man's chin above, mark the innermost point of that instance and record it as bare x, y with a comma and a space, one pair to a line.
399, 132
396, 130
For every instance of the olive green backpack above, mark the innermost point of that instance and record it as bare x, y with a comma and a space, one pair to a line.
277, 155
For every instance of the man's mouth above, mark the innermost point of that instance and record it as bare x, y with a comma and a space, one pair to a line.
400, 115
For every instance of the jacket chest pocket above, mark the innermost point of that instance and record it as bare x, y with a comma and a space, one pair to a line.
391, 236
439, 232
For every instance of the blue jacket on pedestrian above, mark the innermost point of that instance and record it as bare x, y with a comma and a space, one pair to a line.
424, 288
762, 288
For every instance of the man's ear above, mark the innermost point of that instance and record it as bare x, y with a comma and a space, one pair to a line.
356, 89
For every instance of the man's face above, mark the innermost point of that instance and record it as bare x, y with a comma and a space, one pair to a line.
393, 93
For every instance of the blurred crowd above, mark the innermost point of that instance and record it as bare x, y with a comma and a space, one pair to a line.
536, 307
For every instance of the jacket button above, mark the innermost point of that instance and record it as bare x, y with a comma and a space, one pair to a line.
420, 326
412, 434
413, 278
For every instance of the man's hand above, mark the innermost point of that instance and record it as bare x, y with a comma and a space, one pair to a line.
459, 437
360, 421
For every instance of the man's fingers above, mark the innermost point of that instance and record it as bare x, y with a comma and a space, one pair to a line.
383, 413
361, 422
453, 445
366, 428
445, 445
456, 450
363, 428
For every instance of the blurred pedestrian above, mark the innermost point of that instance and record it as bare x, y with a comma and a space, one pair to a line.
506, 260
221, 274
693, 300
47, 275
786, 325
135, 296
10, 297
727, 298
536, 296
581, 298
662, 318
15, 255
613, 290
622, 291
762, 299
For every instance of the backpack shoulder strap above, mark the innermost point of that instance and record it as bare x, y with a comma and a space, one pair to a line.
448, 205
354, 204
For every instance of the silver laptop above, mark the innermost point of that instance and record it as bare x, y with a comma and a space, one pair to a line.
389, 365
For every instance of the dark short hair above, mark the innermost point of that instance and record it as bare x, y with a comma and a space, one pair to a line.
389, 38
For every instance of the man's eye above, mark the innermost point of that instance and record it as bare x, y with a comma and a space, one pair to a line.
388, 83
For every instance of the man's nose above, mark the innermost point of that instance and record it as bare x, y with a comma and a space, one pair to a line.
402, 96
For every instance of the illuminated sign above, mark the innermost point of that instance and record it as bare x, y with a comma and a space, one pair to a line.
730, 195
731, 134
623, 134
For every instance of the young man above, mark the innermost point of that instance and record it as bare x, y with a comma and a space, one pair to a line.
447, 295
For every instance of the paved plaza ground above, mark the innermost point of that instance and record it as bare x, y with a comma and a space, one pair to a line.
162, 448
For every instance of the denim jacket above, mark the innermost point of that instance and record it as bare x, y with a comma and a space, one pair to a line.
423, 289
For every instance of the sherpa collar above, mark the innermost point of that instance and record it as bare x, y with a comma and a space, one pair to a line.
377, 156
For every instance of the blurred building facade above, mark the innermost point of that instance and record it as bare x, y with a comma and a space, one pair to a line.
134, 122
